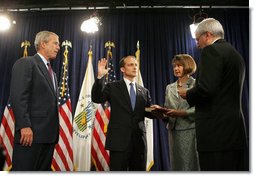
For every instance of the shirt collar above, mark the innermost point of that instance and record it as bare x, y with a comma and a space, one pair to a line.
215, 40
43, 59
127, 82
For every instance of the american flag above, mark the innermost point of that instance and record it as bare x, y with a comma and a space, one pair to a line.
100, 155
63, 153
7, 135
7, 125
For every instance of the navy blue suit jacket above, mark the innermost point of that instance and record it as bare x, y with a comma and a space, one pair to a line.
34, 100
124, 122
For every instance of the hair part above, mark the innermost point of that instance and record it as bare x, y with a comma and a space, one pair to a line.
188, 63
210, 25
122, 61
42, 36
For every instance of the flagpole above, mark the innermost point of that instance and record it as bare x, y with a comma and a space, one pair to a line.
25, 44
148, 122
137, 53
65, 44
108, 45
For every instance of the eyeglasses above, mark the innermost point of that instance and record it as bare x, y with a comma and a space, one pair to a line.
197, 38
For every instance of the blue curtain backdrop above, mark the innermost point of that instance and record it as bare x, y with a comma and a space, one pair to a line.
162, 33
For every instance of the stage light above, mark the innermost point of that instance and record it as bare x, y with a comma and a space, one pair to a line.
91, 25
5, 23
197, 18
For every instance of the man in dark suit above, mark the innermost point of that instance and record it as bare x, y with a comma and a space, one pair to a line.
126, 134
217, 96
33, 96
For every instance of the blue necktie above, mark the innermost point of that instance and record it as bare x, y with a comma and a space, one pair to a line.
132, 96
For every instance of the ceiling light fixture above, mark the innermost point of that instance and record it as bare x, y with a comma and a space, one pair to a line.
5, 23
197, 18
91, 25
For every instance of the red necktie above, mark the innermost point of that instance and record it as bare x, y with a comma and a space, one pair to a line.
50, 71
51, 74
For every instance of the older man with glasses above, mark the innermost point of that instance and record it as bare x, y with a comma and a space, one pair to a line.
217, 96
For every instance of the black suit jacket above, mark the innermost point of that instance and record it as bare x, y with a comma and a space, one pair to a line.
34, 100
217, 97
124, 122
